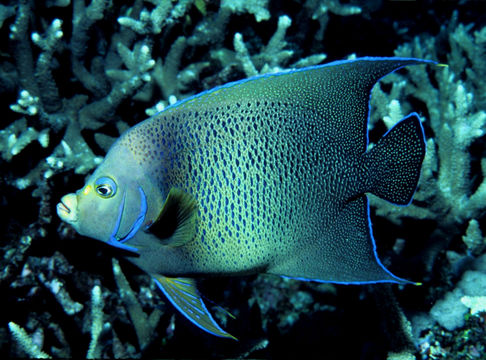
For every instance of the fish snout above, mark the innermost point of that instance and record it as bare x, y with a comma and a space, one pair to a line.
67, 208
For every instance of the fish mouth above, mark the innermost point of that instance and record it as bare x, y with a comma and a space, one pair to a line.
61, 207
66, 208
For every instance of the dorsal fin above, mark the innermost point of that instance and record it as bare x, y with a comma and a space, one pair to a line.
176, 224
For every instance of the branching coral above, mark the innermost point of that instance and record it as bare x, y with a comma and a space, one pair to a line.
319, 10
447, 192
144, 325
78, 73
273, 55
25, 342
256, 7
152, 22
15, 137
97, 323
451, 193
111, 74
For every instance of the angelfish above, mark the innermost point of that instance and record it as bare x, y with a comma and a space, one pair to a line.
263, 175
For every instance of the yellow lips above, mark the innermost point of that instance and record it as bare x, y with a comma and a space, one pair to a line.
67, 208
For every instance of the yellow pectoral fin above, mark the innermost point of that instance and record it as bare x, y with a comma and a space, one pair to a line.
183, 294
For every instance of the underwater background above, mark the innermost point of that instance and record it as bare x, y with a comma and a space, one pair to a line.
75, 74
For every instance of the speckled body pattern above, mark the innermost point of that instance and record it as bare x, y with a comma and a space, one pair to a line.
278, 167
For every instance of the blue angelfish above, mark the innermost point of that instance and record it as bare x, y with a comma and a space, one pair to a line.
263, 175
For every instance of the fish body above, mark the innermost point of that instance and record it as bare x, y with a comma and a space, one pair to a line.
267, 174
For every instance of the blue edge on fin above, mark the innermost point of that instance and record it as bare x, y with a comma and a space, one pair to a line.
396, 278
284, 72
425, 142
207, 314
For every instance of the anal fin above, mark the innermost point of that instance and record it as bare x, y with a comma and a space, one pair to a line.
346, 254
183, 294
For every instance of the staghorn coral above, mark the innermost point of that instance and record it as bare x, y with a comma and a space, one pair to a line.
24, 340
99, 324
111, 73
144, 325
256, 7
273, 55
319, 10
449, 193
96, 322
77, 73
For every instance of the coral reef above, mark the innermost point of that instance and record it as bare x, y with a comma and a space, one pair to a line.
74, 74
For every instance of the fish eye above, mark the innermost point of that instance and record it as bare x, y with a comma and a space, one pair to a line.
105, 187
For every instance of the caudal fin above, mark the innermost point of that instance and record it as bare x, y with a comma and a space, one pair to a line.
394, 163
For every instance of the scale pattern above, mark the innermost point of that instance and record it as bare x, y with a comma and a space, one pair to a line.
272, 162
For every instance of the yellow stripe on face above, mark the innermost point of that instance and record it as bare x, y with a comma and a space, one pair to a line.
87, 189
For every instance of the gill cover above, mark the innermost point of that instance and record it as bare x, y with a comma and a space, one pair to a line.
116, 239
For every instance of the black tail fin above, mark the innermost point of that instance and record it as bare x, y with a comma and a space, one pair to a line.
394, 163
